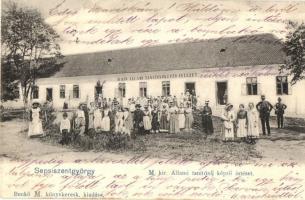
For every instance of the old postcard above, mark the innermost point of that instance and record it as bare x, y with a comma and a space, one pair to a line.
142, 99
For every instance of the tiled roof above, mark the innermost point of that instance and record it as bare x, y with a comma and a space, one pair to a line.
252, 50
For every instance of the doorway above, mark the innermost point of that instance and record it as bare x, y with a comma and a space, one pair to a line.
49, 93
222, 92
190, 87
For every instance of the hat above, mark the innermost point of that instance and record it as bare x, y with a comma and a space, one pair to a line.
138, 106
279, 98
35, 103
207, 101
229, 105
81, 104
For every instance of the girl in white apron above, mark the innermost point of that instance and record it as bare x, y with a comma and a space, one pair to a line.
228, 119
97, 122
253, 123
106, 120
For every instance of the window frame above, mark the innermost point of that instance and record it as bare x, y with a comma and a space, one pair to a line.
78, 92
252, 91
281, 83
166, 88
143, 89
62, 90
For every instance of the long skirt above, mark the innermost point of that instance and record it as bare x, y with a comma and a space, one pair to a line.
207, 124
253, 128
146, 123
228, 130
189, 121
241, 130
91, 121
173, 124
155, 124
35, 128
181, 118
98, 123
106, 124
128, 126
164, 126
119, 125
80, 125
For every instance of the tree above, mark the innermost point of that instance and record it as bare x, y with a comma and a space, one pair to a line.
294, 47
9, 83
30, 45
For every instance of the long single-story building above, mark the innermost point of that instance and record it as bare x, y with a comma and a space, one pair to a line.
234, 69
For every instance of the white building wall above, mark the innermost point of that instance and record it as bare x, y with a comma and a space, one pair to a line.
205, 89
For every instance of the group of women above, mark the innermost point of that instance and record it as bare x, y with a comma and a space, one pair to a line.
244, 125
150, 118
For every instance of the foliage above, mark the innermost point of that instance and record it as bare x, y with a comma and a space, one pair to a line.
294, 47
9, 85
48, 116
29, 45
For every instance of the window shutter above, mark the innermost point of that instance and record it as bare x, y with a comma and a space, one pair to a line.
79, 93
244, 89
259, 89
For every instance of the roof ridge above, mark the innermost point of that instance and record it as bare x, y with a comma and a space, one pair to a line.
172, 44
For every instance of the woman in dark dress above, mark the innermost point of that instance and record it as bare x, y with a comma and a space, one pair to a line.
155, 120
207, 122
164, 125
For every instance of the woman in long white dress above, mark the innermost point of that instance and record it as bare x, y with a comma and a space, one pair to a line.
80, 119
189, 119
253, 123
106, 120
181, 116
173, 119
119, 120
91, 115
228, 118
97, 122
127, 122
35, 125
147, 119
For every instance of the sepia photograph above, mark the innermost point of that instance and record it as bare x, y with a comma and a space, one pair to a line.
144, 99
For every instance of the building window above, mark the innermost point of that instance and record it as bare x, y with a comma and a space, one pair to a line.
75, 91
122, 89
143, 89
62, 91
35, 92
166, 88
281, 85
251, 86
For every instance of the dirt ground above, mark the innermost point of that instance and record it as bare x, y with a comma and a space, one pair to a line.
281, 145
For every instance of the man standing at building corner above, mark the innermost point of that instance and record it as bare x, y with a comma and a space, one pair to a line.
264, 108
279, 111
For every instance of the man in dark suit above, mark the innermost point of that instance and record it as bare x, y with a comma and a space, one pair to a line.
279, 111
264, 108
